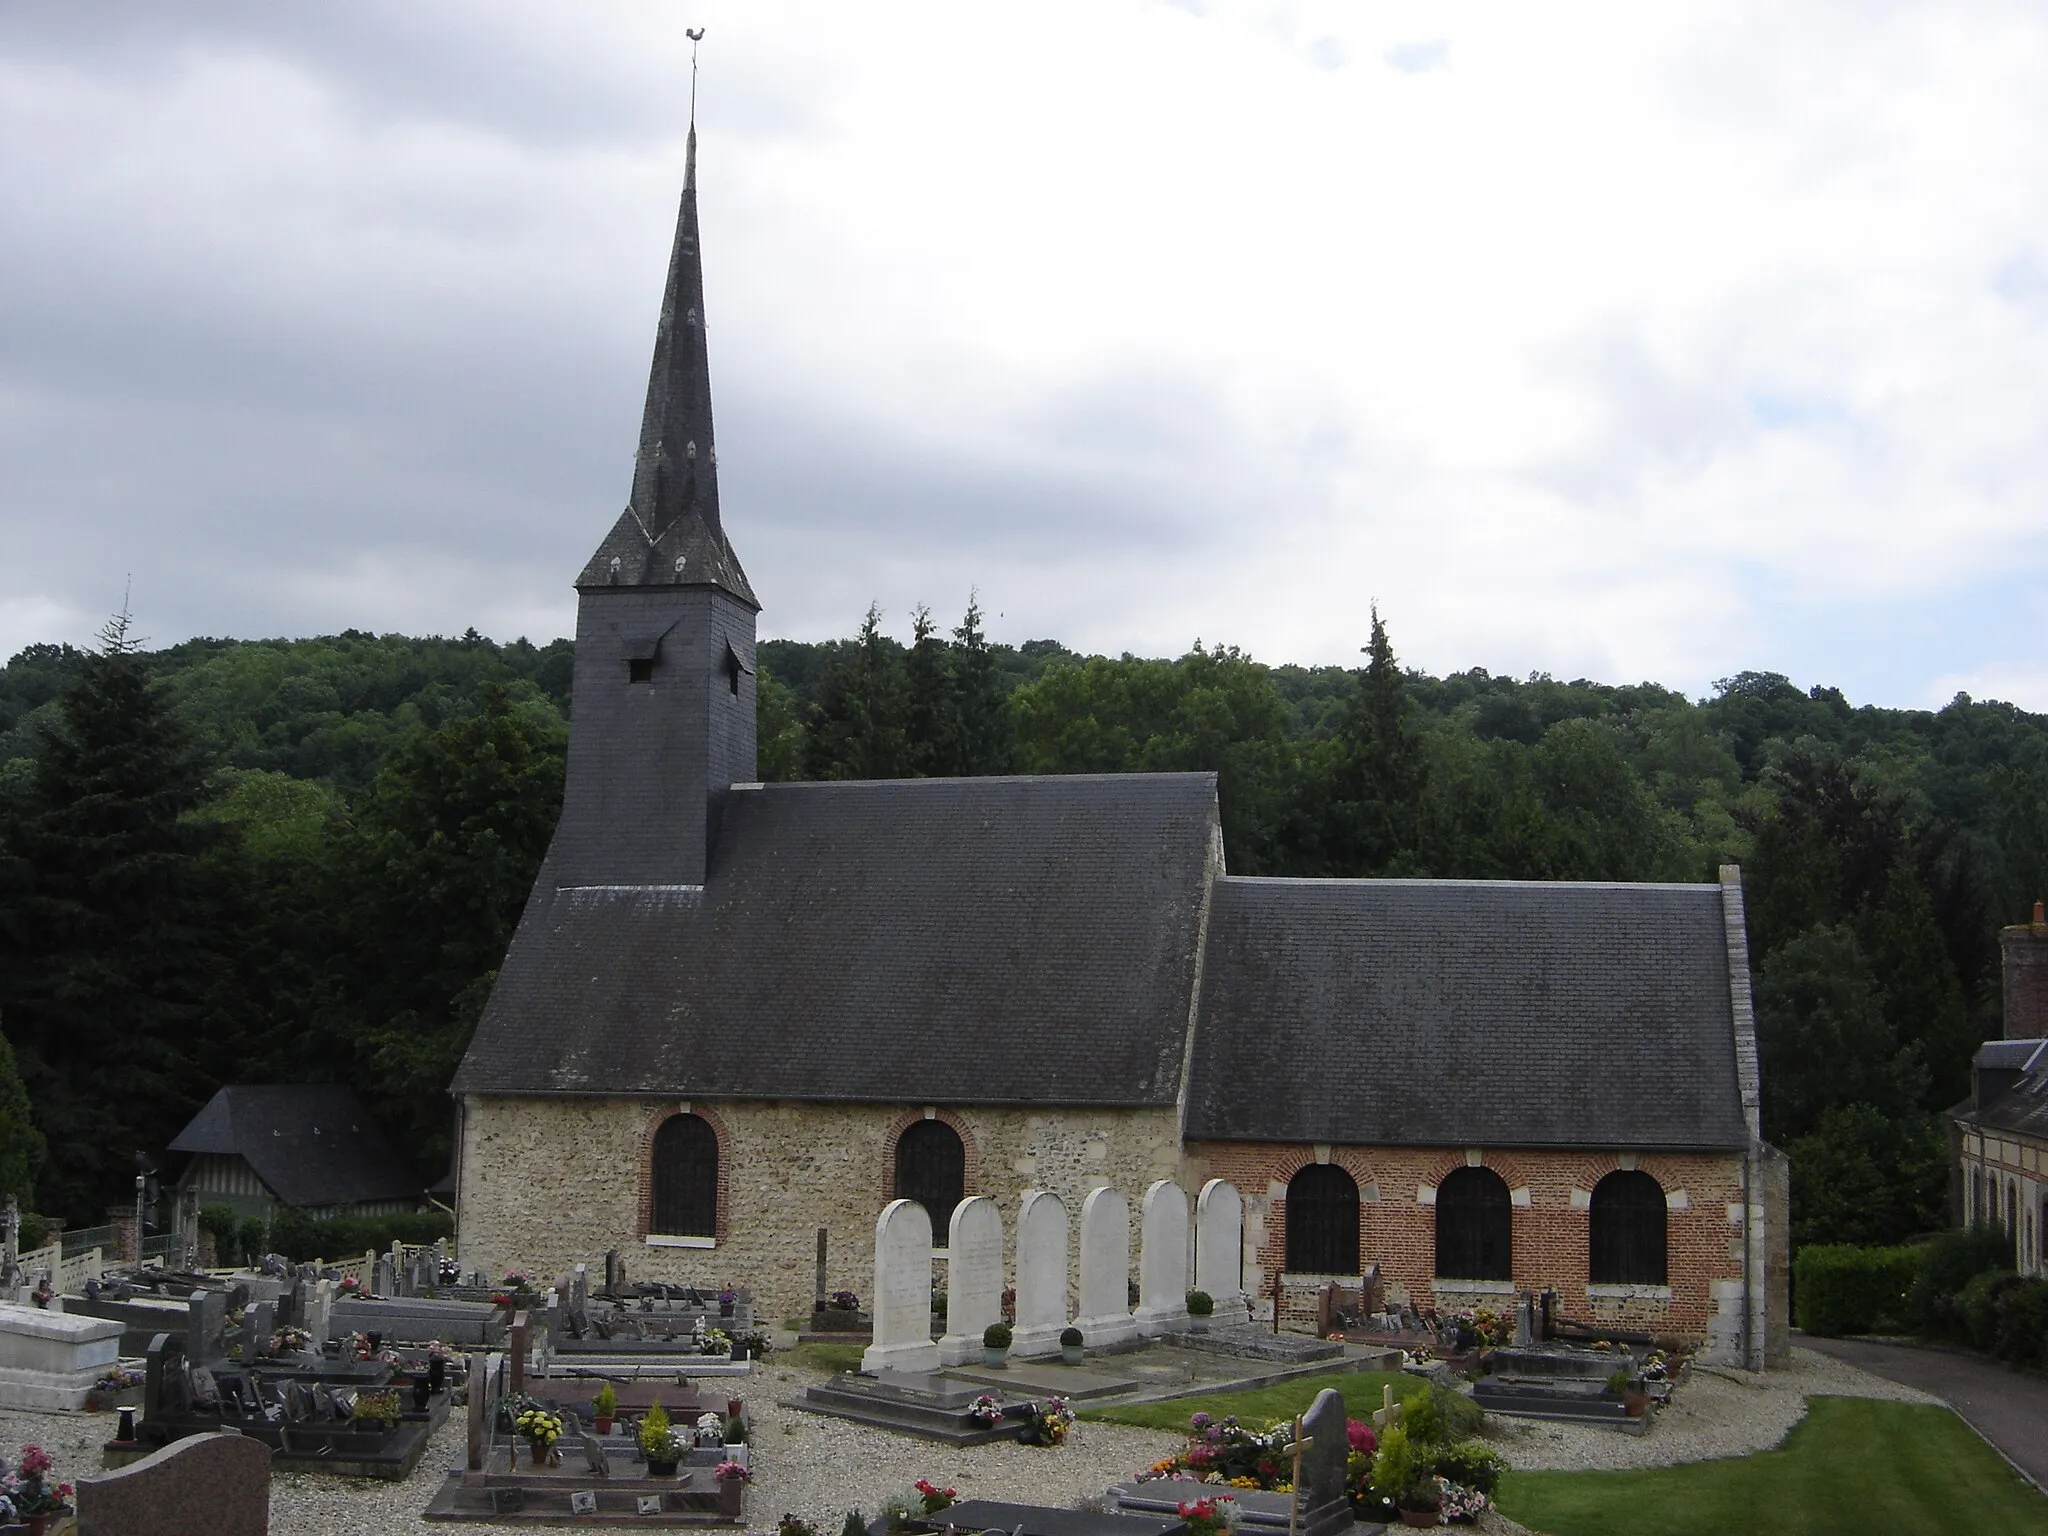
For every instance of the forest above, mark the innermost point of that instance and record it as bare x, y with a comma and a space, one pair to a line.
300, 860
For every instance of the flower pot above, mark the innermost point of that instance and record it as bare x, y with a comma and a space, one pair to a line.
725, 1309
1197, 1324
539, 1452
437, 1374
659, 1468
732, 1497
1422, 1518
1070, 1354
604, 1423
422, 1389
995, 1359
1637, 1403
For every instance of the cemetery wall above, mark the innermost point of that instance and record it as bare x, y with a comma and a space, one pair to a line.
546, 1182
1550, 1190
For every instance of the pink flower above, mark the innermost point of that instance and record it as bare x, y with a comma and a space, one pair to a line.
35, 1461
1360, 1434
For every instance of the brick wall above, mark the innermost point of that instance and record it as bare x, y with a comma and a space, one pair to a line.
548, 1182
2024, 950
1550, 1247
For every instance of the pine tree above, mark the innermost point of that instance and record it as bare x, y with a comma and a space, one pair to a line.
857, 732
1379, 767
928, 720
982, 740
22, 1149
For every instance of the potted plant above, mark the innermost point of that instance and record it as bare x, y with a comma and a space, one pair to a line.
736, 1438
34, 1498
658, 1442
1201, 1307
438, 1356
1047, 1423
995, 1345
604, 1408
710, 1430
843, 1301
1206, 1517
541, 1429
1404, 1479
985, 1412
1070, 1345
727, 1300
732, 1478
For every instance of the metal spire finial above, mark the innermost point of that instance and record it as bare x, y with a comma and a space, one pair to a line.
696, 36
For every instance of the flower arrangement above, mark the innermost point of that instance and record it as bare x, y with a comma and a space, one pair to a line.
1360, 1437
732, 1472
1209, 1517
375, 1410
518, 1280
506, 1300
288, 1340
27, 1490
1482, 1325
795, 1525
657, 1441
450, 1272
357, 1346
117, 1380
844, 1301
935, 1498
728, 1296
985, 1410
436, 1350
1225, 1451
1048, 1423
714, 1341
350, 1286
540, 1427
1459, 1505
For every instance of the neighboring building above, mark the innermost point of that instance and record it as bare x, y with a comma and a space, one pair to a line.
256, 1147
2000, 1132
735, 1013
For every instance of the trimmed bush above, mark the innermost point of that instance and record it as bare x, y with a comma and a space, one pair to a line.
300, 1237
2022, 1334
1948, 1262
1845, 1289
1471, 1464
1979, 1305
1441, 1417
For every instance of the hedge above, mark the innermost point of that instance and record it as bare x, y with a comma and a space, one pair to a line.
300, 1237
1846, 1289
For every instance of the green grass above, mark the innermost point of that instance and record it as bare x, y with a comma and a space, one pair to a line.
821, 1357
1262, 1405
1852, 1465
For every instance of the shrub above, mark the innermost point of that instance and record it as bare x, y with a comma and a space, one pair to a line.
655, 1444
1845, 1289
1201, 1304
1979, 1305
300, 1237
1441, 1417
220, 1221
35, 1231
2022, 1335
1947, 1264
997, 1336
1070, 1338
1470, 1463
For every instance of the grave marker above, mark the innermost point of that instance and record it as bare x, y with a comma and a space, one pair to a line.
1105, 1318
1219, 1249
1163, 1260
903, 1292
974, 1278
1041, 1273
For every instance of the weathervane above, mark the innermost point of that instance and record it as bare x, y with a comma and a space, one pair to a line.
696, 36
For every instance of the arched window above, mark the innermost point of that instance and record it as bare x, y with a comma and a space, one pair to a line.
1322, 1221
1628, 1231
931, 1168
1474, 1226
685, 1178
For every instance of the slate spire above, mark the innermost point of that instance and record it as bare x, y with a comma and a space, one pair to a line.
670, 533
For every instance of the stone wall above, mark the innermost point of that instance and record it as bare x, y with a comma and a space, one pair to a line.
548, 1182
1550, 1190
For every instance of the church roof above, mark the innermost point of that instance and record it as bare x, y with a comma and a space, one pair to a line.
1467, 1013
995, 940
311, 1144
671, 533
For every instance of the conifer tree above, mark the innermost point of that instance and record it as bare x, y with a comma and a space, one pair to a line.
857, 732
1380, 771
22, 1149
928, 716
981, 740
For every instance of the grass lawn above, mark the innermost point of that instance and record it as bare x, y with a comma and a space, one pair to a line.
1262, 1405
821, 1357
1851, 1465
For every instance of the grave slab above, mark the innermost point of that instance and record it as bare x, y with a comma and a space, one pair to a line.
51, 1359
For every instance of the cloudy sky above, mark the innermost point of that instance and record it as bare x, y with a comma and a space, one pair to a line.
1641, 341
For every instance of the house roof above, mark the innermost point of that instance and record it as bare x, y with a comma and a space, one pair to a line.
992, 940
1467, 1013
2022, 1107
311, 1144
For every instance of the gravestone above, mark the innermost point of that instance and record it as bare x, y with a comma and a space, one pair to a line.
206, 1313
49, 1360
1525, 1321
1041, 1273
519, 1342
903, 1292
1163, 1260
1324, 1506
482, 1401
974, 1278
611, 1271
320, 1318
1219, 1249
202, 1485
1105, 1318
385, 1282
818, 1305
256, 1331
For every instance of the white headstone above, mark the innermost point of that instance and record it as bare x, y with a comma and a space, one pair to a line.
903, 1292
1041, 1273
1163, 1260
1106, 1270
974, 1278
49, 1360
320, 1320
1219, 1249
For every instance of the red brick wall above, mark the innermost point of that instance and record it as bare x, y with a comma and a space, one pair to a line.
1550, 1236
2025, 955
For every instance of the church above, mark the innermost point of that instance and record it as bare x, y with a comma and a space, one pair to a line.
735, 1013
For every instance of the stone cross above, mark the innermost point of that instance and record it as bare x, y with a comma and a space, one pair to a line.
1294, 1448
1390, 1411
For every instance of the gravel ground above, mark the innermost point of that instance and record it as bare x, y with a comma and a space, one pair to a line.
819, 1468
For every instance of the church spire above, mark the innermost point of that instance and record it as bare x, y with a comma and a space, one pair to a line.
671, 532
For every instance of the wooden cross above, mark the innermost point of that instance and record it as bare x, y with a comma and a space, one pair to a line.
1299, 1444
1390, 1411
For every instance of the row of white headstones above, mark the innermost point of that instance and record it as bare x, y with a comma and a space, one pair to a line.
974, 1272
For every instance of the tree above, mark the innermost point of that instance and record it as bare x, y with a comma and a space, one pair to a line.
22, 1149
1379, 767
929, 726
1864, 1176
982, 740
1923, 999
1824, 1037
857, 731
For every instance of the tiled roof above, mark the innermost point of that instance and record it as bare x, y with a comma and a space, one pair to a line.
1466, 1013
997, 940
312, 1144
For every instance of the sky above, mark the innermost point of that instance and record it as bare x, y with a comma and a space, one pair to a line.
1631, 342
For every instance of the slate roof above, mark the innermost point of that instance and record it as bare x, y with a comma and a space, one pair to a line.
2021, 1108
994, 940
311, 1144
1466, 1013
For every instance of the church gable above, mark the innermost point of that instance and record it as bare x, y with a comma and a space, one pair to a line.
990, 941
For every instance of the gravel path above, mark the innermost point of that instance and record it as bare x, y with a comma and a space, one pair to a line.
819, 1468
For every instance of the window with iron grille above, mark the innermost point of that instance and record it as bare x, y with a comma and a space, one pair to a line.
1322, 1221
1628, 1236
931, 1168
685, 1178
1474, 1226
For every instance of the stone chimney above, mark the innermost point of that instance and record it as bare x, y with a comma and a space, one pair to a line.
2025, 949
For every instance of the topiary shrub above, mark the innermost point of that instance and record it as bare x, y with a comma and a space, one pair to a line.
1845, 1289
1441, 1417
1469, 1463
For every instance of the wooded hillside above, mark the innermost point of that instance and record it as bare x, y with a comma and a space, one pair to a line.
301, 860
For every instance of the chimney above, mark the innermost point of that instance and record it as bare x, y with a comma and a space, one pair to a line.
2024, 947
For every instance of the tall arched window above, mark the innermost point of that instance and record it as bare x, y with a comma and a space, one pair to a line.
1474, 1226
1628, 1221
685, 1178
1322, 1221
931, 1168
